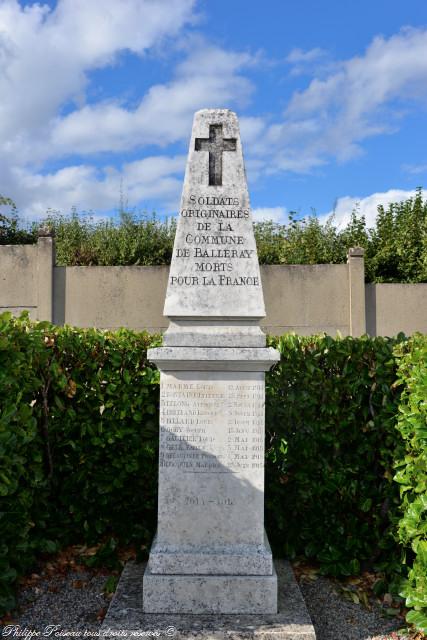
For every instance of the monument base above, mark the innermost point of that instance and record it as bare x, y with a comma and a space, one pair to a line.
202, 594
126, 619
220, 560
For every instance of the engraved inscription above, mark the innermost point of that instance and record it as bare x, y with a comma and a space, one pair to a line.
215, 244
207, 429
200, 501
215, 144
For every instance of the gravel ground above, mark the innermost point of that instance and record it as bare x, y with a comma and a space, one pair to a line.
75, 602
336, 618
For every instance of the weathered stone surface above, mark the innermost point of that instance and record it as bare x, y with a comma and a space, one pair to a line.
213, 358
239, 559
126, 617
210, 539
214, 333
211, 553
201, 594
211, 459
214, 270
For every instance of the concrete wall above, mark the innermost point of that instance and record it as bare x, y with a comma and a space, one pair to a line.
306, 298
110, 297
303, 298
396, 307
18, 273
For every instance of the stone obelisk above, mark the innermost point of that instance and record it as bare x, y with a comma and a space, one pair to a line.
211, 554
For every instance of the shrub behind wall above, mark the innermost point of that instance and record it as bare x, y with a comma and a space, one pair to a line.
395, 248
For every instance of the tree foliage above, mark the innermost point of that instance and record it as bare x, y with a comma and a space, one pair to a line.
133, 240
10, 230
395, 247
398, 247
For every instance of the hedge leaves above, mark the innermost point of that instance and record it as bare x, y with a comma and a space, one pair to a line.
79, 438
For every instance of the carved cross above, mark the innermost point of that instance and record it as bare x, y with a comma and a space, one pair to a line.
215, 144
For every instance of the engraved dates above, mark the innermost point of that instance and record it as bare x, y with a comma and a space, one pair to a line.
197, 501
208, 427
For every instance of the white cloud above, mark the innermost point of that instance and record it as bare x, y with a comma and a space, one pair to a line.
415, 169
86, 187
310, 62
251, 129
267, 214
46, 56
299, 55
365, 206
164, 114
358, 99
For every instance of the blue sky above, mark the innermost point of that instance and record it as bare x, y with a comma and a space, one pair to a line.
98, 98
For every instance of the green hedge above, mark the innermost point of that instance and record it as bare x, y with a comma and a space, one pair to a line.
23, 482
78, 440
331, 445
79, 437
412, 475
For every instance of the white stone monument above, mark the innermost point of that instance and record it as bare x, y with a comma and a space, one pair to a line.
211, 554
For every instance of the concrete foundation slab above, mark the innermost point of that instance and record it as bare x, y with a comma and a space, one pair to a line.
125, 618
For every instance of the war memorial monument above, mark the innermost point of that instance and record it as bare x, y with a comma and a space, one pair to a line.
210, 570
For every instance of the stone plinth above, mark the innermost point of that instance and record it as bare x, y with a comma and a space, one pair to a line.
201, 594
211, 554
126, 619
